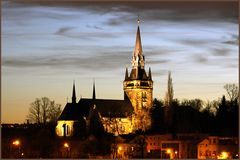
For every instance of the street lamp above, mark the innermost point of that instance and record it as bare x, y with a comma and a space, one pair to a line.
168, 151
16, 143
119, 151
176, 152
66, 145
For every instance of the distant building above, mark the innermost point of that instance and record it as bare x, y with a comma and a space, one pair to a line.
92, 115
214, 147
173, 146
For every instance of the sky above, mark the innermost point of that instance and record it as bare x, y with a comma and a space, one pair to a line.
48, 44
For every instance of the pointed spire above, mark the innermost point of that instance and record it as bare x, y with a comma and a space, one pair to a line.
150, 74
126, 74
138, 45
137, 57
73, 93
94, 94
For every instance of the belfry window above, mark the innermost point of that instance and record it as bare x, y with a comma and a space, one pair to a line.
144, 96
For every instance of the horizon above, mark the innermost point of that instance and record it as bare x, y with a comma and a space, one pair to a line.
47, 45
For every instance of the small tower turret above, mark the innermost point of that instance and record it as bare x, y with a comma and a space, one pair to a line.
94, 94
149, 74
74, 93
126, 74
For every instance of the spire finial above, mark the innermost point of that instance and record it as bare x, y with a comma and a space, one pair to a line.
138, 20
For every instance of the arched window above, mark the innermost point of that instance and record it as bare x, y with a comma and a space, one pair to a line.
67, 129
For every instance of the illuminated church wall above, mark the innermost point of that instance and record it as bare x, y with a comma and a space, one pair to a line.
68, 128
117, 125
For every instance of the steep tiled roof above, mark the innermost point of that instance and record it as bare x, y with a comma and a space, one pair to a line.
106, 107
70, 112
139, 74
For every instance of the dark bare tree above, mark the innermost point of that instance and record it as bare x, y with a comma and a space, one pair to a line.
54, 111
43, 110
232, 91
35, 111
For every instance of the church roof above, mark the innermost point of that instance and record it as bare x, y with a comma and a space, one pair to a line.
138, 74
106, 107
70, 112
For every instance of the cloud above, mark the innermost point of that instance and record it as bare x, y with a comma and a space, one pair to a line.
125, 12
64, 30
94, 27
71, 33
104, 59
158, 61
233, 40
200, 58
221, 51
161, 72
193, 42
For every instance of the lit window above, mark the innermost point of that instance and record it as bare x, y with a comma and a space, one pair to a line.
214, 141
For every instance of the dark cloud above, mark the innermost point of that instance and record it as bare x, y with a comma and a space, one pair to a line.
72, 32
193, 42
157, 61
94, 27
233, 40
64, 30
153, 51
200, 58
126, 12
221, 52
87, 35
102, 60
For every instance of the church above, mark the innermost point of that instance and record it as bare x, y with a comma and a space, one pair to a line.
113, 116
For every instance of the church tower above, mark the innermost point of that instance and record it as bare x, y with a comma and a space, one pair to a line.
138, 87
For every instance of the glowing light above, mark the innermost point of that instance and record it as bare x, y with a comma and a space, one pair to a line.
66, 145
16, 143
120, 148
168, 151
176, 152
223, 155
22, 154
